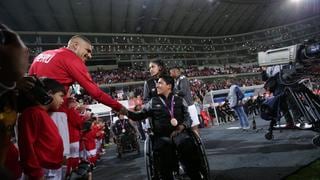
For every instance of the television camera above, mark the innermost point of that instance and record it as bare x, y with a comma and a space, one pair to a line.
295, 60
297, 63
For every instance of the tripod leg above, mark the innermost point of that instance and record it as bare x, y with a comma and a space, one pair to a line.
254, 125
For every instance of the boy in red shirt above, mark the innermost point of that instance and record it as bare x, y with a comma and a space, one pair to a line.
75, 123
41, 146
89, 151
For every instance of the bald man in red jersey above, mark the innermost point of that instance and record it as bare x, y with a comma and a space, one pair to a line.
67, 66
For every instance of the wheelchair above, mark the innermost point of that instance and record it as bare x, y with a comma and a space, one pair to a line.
127, 142
151, 162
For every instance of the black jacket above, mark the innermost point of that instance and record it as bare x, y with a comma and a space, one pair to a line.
149, 89
182, 89
160, 116
120, 124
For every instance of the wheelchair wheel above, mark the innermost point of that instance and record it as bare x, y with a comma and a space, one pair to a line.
205, 169
119, 147
152, 173
138, 147
119, 150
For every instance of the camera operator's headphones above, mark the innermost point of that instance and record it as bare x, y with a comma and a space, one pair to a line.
40, 92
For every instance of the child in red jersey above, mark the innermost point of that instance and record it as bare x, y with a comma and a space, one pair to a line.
41, 146
75, 123
88, 139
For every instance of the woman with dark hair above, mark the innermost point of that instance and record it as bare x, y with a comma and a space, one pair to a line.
156, 69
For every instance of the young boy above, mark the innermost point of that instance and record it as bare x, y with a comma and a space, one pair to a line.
169, 117
40, 144
75, 123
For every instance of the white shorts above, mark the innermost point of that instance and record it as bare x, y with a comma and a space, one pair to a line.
87, 154
194, 115
98, 144
61, 120
74, 150
53, 174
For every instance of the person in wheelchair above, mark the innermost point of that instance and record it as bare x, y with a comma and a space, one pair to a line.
124, 131
170, 121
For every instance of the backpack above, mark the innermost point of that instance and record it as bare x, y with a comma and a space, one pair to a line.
239, 93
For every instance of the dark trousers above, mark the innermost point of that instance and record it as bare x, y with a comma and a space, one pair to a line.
141, 131
184, 149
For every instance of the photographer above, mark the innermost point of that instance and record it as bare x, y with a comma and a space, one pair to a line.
271, 75
13, 63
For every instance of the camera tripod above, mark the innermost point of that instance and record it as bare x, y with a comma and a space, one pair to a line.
304, 107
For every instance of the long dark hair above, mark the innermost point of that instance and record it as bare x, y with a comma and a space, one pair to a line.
162, 66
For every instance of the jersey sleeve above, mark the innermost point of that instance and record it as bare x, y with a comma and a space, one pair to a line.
78, 71
28, 132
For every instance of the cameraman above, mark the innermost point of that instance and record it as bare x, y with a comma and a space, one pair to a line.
13, 64
271, 76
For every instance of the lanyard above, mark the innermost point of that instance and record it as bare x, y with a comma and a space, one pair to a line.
171, 110
122, 124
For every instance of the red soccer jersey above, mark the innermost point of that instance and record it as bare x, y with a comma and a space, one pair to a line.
75, 123
39, 142
66, 67
89, 140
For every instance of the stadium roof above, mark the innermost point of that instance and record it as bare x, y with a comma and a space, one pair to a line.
170, 17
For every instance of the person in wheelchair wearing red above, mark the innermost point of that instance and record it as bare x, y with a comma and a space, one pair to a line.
170, 120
